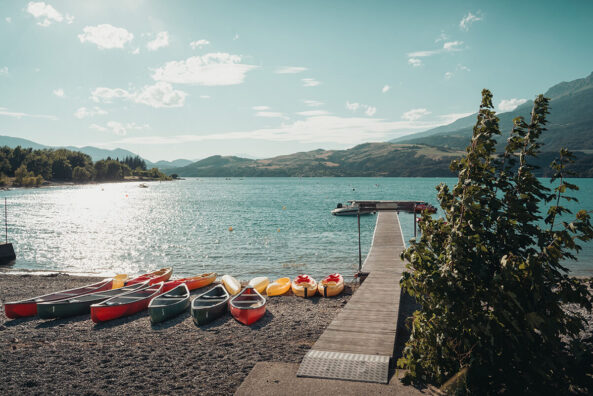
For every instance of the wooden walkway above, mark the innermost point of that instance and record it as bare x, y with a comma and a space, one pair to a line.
365, 330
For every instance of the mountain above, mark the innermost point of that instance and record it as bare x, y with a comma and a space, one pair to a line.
369, 159
570, 121
13, 142
172, 164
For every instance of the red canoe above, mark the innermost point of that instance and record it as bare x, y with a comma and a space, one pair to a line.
192, 283
161, 275
21, 309
125, 304
248, 306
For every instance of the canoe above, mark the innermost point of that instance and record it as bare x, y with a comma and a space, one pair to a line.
170, 304
232, 285
260, 283
304, 286
119, 280
248, 306
210, 305
125, 304
161, 275
21, 309
81, 305
332, 285
196, 282
278, 287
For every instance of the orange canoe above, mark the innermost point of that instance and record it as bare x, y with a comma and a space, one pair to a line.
161, 275
194, 282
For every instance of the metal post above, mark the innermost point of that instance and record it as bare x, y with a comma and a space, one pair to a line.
6, 220
359, 251
414, 220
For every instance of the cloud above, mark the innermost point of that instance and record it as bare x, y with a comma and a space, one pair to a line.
464, 68
4, 71
313, 103
119, 128
415, 62
468, 20
260, 108
448, 46
158, 95
210, 70
415, 114
442, 37
205, 96
315, 129
448, 75
5, 112
199, 44
449, 118
106, 36
310, 82
354, 106
84, 112
313, 113
269, 114
290, 70
46, 14
386, 88
236, 37
8, 19
59, 92
136, 51
510, 104
452, 46
161, 40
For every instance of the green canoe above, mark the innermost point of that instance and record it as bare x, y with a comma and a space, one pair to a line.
210, 305
169, 305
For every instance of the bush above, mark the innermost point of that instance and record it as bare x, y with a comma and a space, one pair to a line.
489, 276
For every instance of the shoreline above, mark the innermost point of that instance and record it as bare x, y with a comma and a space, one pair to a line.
129, 353
58, 183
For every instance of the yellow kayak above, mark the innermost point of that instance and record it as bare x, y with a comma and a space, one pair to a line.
232, 285
119, 280
332, 285
260, 283
304, 286
278, 287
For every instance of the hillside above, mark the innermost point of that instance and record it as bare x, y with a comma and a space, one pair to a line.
369, 159
570, 121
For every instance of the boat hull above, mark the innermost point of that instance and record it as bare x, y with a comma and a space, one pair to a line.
304, 289
278, 287
331, 288
205, 315
232, 285
248, 316
161, 275
160, 314
25, 308
103, 313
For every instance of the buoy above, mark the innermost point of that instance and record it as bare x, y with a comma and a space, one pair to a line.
278, 229
126, 195
230, 228
284, 208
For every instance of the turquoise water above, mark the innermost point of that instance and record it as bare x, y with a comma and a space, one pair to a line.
281, 226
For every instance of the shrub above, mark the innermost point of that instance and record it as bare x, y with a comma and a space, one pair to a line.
489, 276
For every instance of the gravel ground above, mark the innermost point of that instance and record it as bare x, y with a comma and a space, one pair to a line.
129, 355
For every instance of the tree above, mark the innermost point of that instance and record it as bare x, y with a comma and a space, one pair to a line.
61, 169
81, 174
489, 276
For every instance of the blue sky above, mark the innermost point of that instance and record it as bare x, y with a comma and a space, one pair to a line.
189, 79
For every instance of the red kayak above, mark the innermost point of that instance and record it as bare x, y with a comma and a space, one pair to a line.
161, 275
125, 304
21, 309
248, 306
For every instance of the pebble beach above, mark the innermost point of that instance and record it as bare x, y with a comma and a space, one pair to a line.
129, 355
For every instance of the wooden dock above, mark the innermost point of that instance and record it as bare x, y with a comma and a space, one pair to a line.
359, 343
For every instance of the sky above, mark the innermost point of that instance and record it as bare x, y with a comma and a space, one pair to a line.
190, 79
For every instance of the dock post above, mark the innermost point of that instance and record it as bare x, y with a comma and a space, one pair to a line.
414, 220
6, 249
359, 250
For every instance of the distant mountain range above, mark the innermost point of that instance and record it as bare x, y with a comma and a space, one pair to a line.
95, 153
426, 153
570, 121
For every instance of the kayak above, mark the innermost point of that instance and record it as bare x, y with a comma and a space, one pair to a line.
170, 304
248, 306
304, 286
332, 285
278, 287
196, 282
81, 305
125, 304
260, 283
161, 275
119, 280
210, 305
21, 309
232, 285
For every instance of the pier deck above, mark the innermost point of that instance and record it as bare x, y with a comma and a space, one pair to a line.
359, 343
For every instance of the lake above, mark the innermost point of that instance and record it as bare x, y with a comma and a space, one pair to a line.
280, 226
